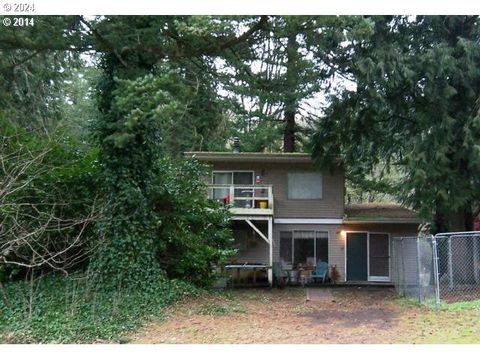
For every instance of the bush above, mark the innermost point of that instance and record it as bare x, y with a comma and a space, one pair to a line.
194, 233
48, 201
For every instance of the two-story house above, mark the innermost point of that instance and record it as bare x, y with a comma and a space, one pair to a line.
287, 212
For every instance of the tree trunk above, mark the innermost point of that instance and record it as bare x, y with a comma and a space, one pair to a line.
441, 224
290, 104
289, 132
468, 218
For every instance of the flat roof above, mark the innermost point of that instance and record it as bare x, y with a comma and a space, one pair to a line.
251, 157
380, 212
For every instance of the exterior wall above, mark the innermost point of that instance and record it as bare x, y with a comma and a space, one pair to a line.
336, 242
276, 174
331, 206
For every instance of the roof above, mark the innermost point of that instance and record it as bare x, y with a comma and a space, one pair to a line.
380, 212
251, 157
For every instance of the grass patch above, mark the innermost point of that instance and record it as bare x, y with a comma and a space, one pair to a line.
65, 310
407, 302
221, 309
465, 305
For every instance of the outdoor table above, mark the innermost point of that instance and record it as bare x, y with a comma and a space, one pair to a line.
244, 266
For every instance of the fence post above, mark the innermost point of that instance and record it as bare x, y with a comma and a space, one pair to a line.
404, 285
419, 290
450, 264
435, 271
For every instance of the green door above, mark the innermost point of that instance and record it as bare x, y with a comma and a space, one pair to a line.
357, 260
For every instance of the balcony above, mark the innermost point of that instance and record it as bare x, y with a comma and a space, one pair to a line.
244, 199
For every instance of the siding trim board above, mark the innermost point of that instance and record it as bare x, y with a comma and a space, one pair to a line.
294, 221
384, 221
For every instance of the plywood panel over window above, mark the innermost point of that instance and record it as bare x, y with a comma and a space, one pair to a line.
304, 185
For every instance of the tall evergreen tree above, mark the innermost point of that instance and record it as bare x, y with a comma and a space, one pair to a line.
280, 78
415, 108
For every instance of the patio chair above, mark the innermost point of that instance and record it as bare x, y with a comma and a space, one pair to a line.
320, 272
280, 276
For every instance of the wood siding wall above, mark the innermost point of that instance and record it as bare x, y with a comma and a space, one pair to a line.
276, 174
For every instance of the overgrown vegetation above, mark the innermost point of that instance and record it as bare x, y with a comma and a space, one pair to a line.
76, 309
96, 114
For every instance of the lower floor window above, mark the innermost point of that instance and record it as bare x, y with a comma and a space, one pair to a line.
303, 248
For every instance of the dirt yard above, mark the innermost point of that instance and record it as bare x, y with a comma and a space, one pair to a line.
298, 315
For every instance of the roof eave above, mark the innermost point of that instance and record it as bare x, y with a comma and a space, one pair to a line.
251, 157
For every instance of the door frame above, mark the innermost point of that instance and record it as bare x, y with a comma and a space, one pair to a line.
370, 278
379, 278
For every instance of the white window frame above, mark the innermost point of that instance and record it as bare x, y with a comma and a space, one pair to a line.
371, 278
314, 243
232, 172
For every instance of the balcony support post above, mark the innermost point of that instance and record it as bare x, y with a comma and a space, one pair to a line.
270, 242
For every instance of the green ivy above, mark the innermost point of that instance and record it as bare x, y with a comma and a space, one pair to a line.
77, 310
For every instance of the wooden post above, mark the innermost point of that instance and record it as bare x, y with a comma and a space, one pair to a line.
270, 241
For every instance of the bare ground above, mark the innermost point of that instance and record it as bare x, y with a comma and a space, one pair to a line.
337, 315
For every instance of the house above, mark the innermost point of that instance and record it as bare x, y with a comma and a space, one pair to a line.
287, 212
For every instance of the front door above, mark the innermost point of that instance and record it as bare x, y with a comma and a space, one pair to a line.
357, 256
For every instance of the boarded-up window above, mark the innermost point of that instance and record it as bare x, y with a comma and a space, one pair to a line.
304, 185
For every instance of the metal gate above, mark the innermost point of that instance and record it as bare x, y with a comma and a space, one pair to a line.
441, 268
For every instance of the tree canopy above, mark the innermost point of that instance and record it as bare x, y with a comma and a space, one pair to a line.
394, 98
415, 110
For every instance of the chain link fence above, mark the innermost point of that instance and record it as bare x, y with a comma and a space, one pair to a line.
413, 267
440, 268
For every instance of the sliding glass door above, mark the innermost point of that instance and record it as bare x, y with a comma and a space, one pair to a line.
368, 256
379, 257
303, 248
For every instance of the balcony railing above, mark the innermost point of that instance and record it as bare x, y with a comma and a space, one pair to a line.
244, 199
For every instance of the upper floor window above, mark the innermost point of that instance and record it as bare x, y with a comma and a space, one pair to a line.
225, 179
304, 185
233, 177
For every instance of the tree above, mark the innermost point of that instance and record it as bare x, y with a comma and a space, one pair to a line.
282, 74
138, 94
415, 108
33, 74
147, 87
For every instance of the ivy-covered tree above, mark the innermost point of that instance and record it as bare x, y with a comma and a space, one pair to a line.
152, 81
139, 93
415, 109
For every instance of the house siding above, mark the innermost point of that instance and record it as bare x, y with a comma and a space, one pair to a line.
330, 207
276, 174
